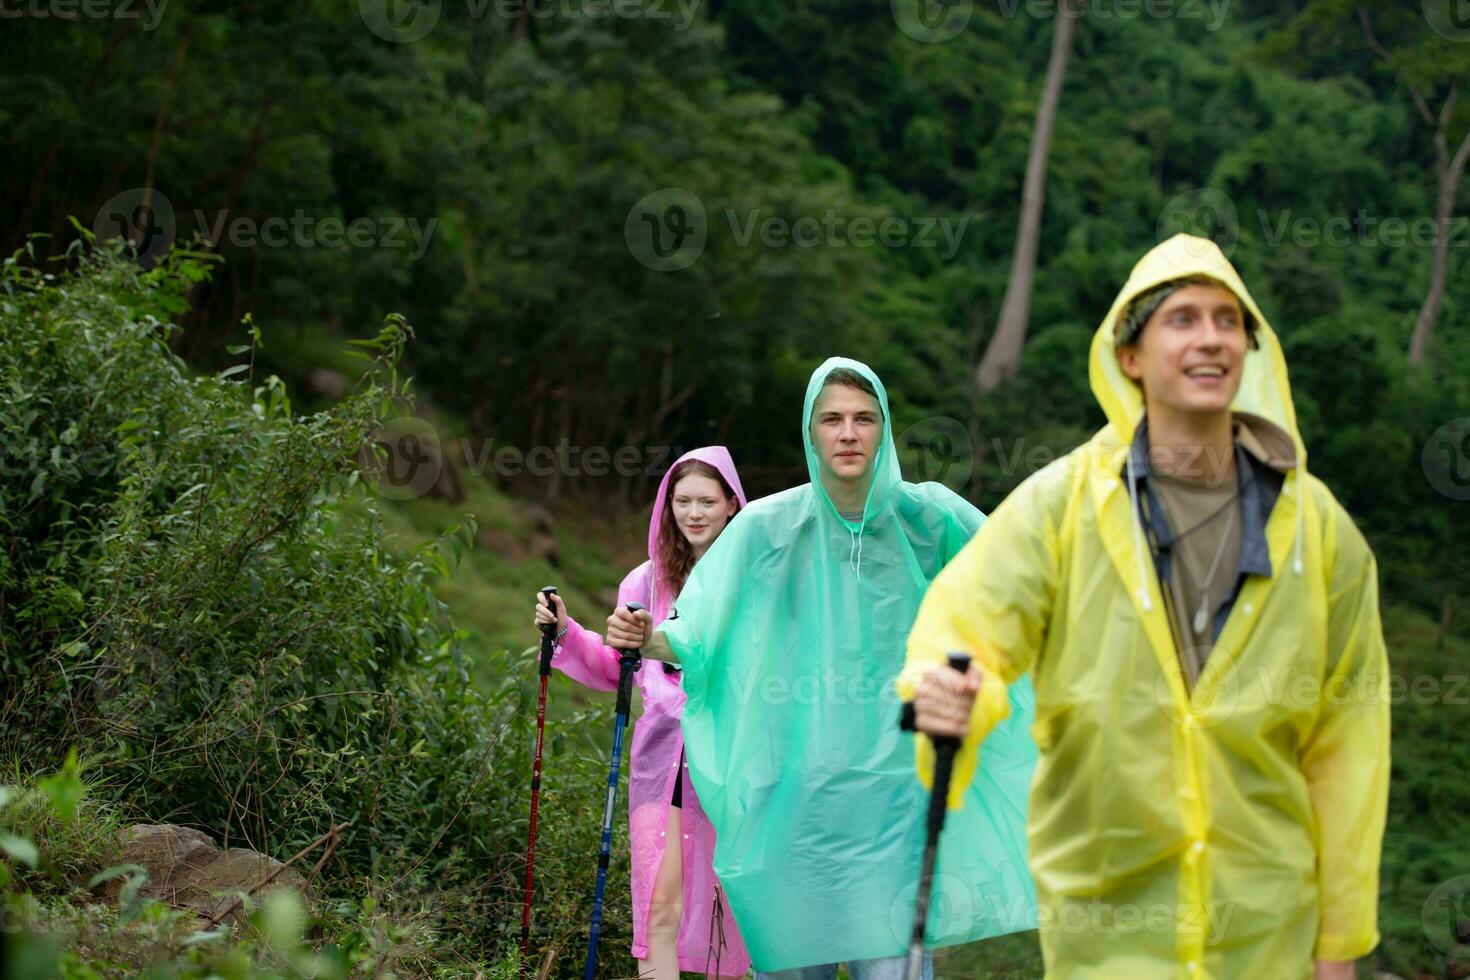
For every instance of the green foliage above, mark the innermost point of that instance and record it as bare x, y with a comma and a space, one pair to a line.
197, 588
201, 595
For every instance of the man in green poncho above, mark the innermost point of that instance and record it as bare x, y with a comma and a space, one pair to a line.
791, 632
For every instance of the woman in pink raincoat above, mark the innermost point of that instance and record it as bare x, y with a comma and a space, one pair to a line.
680, 920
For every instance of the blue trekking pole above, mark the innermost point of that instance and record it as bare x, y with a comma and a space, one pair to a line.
944, 753
629, 662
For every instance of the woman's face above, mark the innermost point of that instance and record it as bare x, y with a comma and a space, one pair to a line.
701, 509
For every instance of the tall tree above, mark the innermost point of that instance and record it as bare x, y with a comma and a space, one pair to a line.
1003, 353
1419, 68
1423, 49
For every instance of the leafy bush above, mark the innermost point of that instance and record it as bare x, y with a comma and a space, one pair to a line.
197, 590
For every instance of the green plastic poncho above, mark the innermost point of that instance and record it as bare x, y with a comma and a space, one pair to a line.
791, 632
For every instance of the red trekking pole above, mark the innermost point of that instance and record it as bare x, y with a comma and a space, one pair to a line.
547, 649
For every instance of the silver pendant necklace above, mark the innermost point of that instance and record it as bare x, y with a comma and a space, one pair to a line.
1201, 615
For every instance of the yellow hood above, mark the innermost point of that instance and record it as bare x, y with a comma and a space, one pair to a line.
1264, 389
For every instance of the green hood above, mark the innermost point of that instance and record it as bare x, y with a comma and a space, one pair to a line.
883, 471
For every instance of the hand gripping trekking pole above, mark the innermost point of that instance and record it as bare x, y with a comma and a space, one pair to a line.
629, 662
548, 647
945, 748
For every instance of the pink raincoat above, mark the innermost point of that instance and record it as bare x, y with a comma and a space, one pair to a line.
658, 744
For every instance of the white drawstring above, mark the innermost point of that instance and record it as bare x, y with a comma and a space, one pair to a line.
1143, 596
1301, 509
855, 546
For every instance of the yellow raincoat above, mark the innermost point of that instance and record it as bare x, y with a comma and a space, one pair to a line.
1231, 831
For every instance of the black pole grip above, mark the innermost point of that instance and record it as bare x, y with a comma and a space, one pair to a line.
548, 634
629, 662
906, 721
945, 749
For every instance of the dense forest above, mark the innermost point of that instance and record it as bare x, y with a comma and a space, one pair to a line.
593, 226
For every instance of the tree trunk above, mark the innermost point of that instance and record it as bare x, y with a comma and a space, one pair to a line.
1003, 354
1448, 170
1449, 173
977, 404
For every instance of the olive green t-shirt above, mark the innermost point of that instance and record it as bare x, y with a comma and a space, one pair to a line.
1206, 520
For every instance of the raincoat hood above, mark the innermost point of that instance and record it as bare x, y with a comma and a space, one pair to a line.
1264, 390
883, 470
717, 456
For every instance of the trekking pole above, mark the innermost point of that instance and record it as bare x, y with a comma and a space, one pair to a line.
548, 647
629, 662
945, 748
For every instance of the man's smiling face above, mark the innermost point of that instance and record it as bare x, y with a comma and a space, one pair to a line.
1189, 354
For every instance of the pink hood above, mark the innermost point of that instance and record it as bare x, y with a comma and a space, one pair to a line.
716, 456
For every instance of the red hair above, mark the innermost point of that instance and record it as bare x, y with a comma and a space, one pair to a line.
675, 555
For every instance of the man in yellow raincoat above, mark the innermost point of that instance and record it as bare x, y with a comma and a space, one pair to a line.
1200, 619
